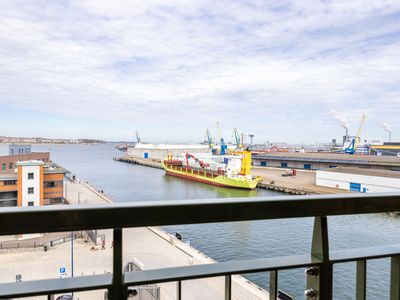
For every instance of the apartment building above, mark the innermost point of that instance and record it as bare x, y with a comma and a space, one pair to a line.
32, 183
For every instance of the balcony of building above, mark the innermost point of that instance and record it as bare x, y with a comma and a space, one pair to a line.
318, 262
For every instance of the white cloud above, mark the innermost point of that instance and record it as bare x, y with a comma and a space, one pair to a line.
267, 67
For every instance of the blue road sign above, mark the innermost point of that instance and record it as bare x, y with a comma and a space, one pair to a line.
62, 270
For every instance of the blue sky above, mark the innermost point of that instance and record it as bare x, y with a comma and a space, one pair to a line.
283, 70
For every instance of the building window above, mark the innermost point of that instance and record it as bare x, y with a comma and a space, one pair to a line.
30, 175
10, 182
31, 203
3, 167
307, 166
50, 184
283, 165
30, 190
10, 166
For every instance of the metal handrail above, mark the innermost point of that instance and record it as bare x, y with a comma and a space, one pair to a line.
157, 213
120, 215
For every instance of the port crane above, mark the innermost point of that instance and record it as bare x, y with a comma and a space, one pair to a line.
224, 147
137, 136
209, 138
239, 143
351, 147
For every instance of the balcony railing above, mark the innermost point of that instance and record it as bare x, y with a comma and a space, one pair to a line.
319, 260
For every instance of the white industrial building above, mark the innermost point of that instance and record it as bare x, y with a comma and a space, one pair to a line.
161, 151
359, 179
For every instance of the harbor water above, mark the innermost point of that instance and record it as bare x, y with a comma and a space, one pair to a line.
237, 240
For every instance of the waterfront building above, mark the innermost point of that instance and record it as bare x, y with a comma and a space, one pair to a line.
316, 161
32, 183
16, 149
161, 151
20, 153
359, 179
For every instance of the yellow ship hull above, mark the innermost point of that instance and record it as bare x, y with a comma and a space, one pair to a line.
208, 178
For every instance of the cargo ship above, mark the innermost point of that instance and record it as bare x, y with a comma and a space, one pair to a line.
233, 171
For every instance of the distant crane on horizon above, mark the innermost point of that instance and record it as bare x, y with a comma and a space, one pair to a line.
137, 136
251, 136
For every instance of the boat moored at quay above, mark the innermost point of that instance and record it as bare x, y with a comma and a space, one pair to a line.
233, 170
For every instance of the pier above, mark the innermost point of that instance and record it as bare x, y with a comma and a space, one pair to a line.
139, 161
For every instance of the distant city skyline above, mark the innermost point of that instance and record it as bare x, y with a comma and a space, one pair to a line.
284, 71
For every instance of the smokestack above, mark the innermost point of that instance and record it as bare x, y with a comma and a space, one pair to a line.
387, 128
346, 136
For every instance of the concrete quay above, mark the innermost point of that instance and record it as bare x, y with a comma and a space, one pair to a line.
152, 246
301, 184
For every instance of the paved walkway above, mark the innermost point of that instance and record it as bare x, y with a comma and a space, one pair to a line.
46, 239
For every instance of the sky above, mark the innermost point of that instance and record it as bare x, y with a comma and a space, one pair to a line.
282, 70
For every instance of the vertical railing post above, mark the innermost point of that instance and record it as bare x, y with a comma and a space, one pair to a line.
361, 280
322, 283
179, 290
228, 287
395, 278
273, 284
117, 291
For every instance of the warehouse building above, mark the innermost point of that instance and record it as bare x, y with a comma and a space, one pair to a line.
317, 160
161, 151
359, 179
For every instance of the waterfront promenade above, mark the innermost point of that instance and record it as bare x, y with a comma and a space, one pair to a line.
152, 246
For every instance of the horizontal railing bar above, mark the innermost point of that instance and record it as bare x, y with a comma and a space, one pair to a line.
84, 283
219, 269
138, 214
347, 255
53, 286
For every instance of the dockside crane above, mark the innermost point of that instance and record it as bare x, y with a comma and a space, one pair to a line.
209, 138
137, 136
352, 146
239, 143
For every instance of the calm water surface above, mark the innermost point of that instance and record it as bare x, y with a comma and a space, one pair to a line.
239, 240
